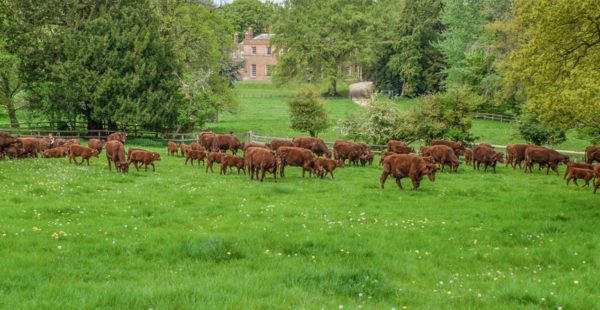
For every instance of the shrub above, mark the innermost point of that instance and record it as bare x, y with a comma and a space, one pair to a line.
536, 132
308, 113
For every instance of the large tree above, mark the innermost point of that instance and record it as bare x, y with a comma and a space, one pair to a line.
317, 37
558, 60
249, 13
9, 82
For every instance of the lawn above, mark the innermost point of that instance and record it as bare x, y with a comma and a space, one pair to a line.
74, 237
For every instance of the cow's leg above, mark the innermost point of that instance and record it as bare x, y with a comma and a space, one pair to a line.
153, 168
331, 172
109, 168
575, 181
399, 182
186, 161
137, 168
262, 174
207, 164
383, 177
587, 182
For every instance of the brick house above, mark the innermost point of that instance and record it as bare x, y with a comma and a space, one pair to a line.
258, 54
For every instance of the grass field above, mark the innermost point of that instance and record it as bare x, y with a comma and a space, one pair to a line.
75, 237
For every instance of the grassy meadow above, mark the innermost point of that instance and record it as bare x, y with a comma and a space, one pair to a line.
80, 237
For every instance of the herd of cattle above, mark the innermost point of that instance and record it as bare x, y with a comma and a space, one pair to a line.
311, 154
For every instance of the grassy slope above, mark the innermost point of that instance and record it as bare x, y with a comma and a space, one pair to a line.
81, 237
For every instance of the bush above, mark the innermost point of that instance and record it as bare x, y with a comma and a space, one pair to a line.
308, 113
377, 125
536, 132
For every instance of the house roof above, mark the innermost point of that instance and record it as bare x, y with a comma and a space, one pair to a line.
264, 36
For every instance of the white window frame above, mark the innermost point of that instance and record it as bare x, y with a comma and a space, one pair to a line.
253, 50
253, 70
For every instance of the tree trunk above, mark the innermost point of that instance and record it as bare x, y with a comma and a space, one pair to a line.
332, 90
7, 97
12, 113
92, 124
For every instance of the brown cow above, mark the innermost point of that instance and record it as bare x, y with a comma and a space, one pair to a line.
399, 147
119, 136
468, 156
259, 160
115, 153
597, 175
197, 147
81, 151
457, 146
276, 144
7, 141
96, 145
232, 161
214, 157
249, 145
46, 143
327, 165
486, 155
443, 155
295, 156
208, 140
577, 173
143, 158
405, 165
31, 145
544, 156
383, 155
346, 150
14, 151
229, 142
577, 165
314, 144
57, 152
515, 154
172, 148
195, 155
592, 153
367, 158
133, 149
184, 149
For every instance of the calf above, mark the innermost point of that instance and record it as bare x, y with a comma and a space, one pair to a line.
367, 158
326, 165
133, 149
385, 154
259, 160
81, 151
195, 155
184, 149
457, 146
57, 152
577, 165
468, 156
443, 155
516, 154
208, 140
172, 148
232, 161
484, 154
115, 153
214, 157
197, 147
118, 136
405, 165
96, 145
578, 173
346, 150
32, 146
229, 142
143, 158
15, 151
295, 156
399, 147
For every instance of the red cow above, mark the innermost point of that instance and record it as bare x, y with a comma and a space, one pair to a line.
314, 144
81, 151
143, 158
443, 155
213, 157
457, 146
118, 136
184, 149
208, 140
96, 145
232, 161
544, 156
259, 160
399, 147
516, 154
172, 148
115, 153
295, 156
404, 165
327, 165
484, 154
195, 155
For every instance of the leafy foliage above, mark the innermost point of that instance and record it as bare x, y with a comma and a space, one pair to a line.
377, 125
536, 132
242, 14
308, 113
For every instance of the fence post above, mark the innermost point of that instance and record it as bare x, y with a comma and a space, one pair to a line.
249, 136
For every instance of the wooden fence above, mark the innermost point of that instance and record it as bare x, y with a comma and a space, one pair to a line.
494, 117
100, 134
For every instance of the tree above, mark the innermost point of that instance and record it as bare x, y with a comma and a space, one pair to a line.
9, 83
533, 131
317, 37
308, 113
377, 124
248, 13
557, 60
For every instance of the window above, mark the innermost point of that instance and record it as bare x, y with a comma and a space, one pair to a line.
268, 69
269, 50
254, 50
253, 73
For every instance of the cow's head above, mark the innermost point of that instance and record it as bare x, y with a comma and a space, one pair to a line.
95, 153
499, 157
155, 156
339, 163
124, 166
430, 170
328, 153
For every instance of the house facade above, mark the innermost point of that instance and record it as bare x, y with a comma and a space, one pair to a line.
258, 54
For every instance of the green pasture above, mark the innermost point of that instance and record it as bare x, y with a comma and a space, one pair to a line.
79, 237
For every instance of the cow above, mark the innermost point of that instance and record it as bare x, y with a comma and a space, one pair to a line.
31, 145
118, 136
7, 141
592, 153
327, 165
577, 165
133, 149
468, 153
212, 158
597, 175
197, 147
405, 165
96, 145
457, 146
232, 161
229, 142
195, 155
115, 153
66, 143
346, 150
172, 148
276, 144
208, 140
84, 152
46, 143
399, 147
314, 144
443, 155
14, 151
249, 145
544, 156
259, 160
367, 158
578, 173
486, 155
143, 158
515, 154
57, 152
295, 156
184, 149
383, 155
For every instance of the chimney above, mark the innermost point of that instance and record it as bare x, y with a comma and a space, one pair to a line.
249, 34
236, 38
